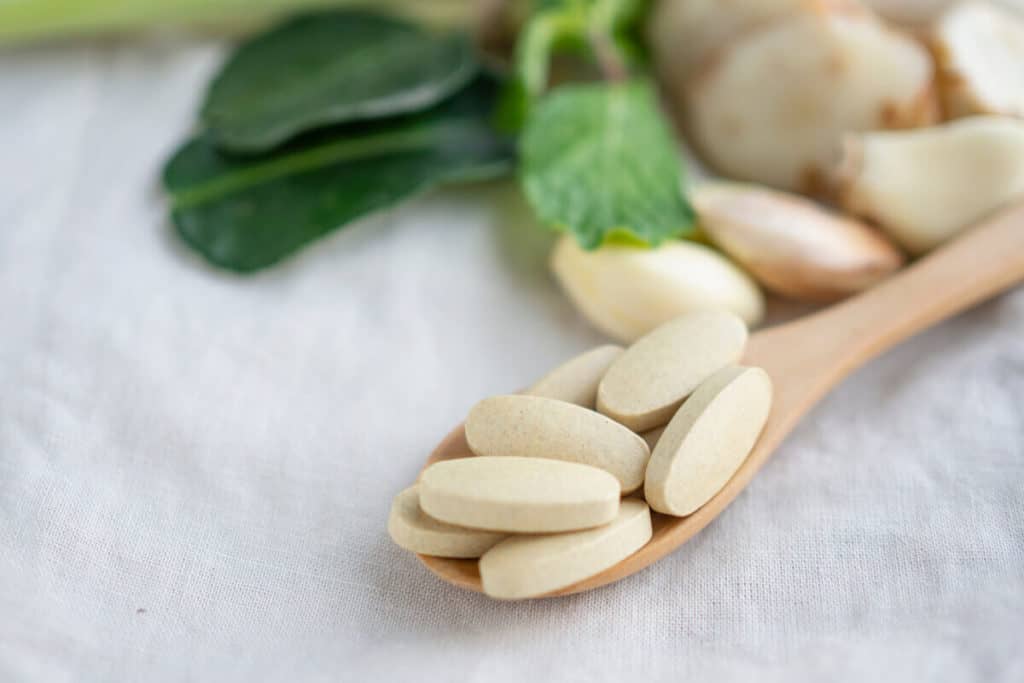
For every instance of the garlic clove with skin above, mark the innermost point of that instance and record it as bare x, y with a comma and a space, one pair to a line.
792, 245
924, 186
627, 291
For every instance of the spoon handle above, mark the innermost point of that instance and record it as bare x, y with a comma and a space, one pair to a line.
982, 263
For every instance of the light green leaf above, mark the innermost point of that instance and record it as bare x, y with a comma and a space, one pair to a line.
600, 162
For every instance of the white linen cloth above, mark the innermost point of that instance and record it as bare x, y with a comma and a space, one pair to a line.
196, 468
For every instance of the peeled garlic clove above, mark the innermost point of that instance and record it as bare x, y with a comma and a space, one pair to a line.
774, 104
627, 291
790, 244
979, 50
924, 186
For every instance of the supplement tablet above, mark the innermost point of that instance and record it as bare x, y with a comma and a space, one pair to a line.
415, 531
708, 440
523, 495
539, 427
528, 566
646, 385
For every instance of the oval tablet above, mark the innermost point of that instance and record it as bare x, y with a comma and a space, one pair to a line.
646, 385
528, 566
523, 495
534, 426
576, 380
415, 531
708, 440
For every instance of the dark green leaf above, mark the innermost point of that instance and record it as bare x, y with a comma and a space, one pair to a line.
513, 106
248, 213
331, 68
600, 162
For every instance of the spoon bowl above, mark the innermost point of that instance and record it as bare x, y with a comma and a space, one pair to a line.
807, 357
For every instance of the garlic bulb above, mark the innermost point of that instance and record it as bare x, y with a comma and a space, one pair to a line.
684, 34
773, 105
627, 291
979, 50
790, 244
924, 186
918, 13
909, 12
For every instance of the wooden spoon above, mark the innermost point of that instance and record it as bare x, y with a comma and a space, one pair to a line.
809, 356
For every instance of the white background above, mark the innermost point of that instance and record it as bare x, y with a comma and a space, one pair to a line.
196, 468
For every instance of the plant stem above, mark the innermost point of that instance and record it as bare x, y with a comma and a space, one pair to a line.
609, 59
27, 20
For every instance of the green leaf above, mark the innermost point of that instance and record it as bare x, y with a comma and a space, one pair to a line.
600, 162
248, 213
331, 68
